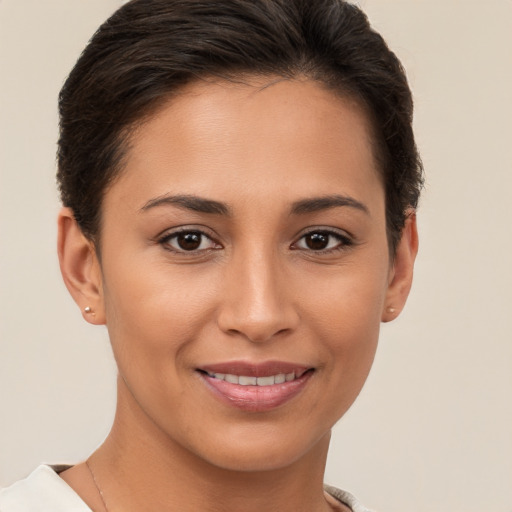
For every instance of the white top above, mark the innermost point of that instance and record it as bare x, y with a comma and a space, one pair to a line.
44, 491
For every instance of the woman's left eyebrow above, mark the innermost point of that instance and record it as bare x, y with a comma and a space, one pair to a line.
189, 202
315, 204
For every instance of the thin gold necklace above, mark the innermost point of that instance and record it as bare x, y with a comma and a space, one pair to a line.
100, 492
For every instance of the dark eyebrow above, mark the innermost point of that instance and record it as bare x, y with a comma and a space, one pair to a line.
316, 204
189, 202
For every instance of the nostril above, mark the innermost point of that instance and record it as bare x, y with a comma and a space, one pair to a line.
258, 334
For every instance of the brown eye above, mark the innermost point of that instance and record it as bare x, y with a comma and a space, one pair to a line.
189, 241
323, 241
317, 241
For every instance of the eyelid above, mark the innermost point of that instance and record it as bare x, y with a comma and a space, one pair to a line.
345, 238
171, 233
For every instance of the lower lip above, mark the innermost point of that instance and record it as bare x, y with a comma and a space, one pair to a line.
256, 398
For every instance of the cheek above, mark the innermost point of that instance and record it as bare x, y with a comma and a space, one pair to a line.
345, 313
152, 313
347, 303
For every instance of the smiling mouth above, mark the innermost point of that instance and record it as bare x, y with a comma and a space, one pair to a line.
247, 380
256, 388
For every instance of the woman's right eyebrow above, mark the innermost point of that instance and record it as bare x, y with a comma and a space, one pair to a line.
189, 202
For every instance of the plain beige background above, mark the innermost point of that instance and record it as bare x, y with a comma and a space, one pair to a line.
432, 430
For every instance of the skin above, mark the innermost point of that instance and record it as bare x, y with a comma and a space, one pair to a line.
253, 291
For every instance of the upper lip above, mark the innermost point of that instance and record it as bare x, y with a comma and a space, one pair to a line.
261, 369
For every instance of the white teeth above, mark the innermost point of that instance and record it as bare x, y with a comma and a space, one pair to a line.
245, 380
266, 381
280, 378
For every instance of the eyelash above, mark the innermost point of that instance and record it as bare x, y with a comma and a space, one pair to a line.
165, 241
343, 241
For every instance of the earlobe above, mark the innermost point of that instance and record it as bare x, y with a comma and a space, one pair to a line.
80, 268
401, 273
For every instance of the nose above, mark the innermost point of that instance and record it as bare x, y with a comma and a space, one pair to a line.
256, 300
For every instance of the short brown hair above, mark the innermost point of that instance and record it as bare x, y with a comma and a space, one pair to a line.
150, 48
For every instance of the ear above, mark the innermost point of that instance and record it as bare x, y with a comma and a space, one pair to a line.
80, 268
400, 276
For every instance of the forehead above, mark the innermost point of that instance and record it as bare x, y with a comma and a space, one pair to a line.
247, 137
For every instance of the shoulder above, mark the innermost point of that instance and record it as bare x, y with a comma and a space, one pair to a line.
42, 491
346, 498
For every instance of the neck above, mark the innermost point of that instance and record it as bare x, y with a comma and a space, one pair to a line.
140, 468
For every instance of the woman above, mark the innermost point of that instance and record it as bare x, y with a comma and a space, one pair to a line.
239, 181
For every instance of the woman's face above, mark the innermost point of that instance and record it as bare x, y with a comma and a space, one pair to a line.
245, 269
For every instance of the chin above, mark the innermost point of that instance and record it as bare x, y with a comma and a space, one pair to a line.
261, 451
